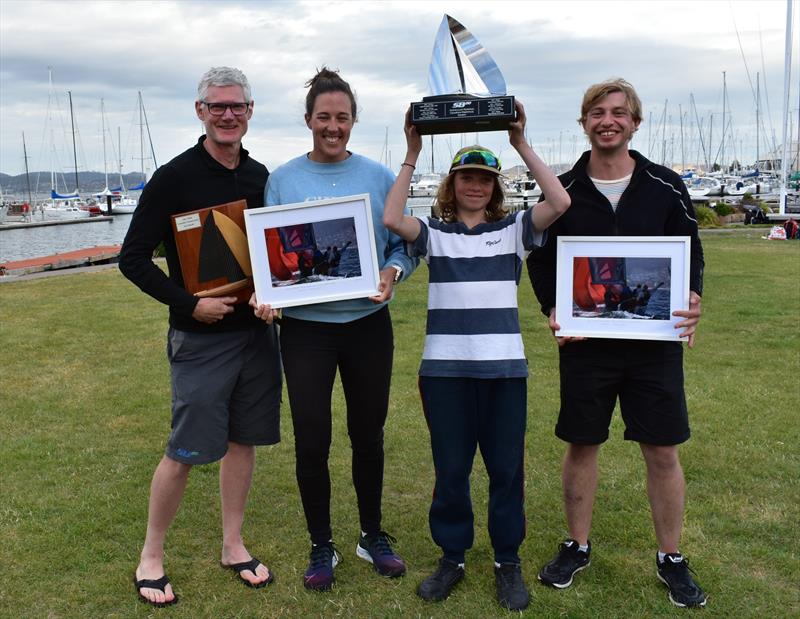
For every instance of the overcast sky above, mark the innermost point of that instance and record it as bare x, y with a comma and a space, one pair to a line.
549, 52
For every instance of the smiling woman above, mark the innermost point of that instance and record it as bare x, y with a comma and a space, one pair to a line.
330, 114
353, 336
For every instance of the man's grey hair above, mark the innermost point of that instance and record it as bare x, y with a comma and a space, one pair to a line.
223, 76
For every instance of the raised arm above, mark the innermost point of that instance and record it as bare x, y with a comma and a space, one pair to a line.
557, 199
404, 226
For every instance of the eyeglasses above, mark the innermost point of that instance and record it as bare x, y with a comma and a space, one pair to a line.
480, 157
218, 109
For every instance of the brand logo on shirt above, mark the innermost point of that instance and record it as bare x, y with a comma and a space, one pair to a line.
490, 243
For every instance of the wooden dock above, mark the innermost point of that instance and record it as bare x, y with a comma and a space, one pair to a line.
16, 225
79, 258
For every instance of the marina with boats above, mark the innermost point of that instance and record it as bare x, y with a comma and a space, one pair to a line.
59, 203
709, 163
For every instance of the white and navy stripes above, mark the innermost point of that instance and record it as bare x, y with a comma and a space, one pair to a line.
473, 324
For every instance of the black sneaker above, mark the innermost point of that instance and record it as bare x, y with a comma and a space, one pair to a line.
683, 590
569, 561
319, 575
511, 591
377, 549
438, 585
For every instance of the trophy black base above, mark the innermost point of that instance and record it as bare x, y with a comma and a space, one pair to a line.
462, 114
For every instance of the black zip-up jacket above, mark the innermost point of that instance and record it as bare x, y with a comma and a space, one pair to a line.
191, 181
655, 203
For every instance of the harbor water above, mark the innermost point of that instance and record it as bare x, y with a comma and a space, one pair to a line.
24, 243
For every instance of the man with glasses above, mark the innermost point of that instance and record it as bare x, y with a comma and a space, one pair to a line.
224, 362
616, 191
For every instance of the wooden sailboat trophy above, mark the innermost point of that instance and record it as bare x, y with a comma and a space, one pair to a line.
213, 252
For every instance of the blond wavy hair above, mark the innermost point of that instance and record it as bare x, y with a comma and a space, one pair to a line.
596, 92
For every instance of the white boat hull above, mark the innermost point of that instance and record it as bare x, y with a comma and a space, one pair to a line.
69, 212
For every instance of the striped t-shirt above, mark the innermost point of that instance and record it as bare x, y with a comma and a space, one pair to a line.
473, 324
612, 190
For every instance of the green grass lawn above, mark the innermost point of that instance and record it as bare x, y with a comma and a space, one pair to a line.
84, 415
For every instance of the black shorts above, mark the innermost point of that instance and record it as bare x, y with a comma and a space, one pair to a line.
647, 376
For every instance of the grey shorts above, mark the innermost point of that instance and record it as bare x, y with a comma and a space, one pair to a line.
225, 387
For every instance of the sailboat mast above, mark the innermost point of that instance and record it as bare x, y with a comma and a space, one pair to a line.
797, 157
787, 72
699, 130
103, 124
758, 110
683, 153
149, 137
47, 125
27, 176
141, 136
119, 154
74, 149
724, 126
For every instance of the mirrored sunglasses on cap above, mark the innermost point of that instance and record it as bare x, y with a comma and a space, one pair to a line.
478, 159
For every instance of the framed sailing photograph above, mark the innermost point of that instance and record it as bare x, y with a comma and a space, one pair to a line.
313, 252
621, 286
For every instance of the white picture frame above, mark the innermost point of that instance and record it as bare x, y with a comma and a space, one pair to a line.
616, 273
296, 275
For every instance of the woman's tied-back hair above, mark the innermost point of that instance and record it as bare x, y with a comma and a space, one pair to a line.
223, 76
596, 92
327, 80
445, 203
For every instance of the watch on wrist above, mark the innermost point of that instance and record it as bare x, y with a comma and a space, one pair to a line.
398, 272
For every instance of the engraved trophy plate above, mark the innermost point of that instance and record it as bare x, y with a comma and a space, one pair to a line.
468, 92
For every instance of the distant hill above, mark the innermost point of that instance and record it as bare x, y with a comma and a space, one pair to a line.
89, 182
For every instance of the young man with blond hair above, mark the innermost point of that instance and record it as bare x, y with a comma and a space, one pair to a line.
617, 191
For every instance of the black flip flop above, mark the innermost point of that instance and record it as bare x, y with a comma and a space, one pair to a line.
160, 584
250, 566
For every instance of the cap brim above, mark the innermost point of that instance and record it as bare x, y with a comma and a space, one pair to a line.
476, 166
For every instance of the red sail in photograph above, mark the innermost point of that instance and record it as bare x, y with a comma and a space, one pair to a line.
585, 293
281, 264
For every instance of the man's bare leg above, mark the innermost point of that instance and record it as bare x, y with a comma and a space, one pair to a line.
166, 491
666, 491
579, 480
235, 477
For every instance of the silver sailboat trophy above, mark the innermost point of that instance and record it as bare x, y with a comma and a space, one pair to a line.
468, 92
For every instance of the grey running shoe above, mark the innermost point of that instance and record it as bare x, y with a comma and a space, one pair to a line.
683, 590
569, 561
